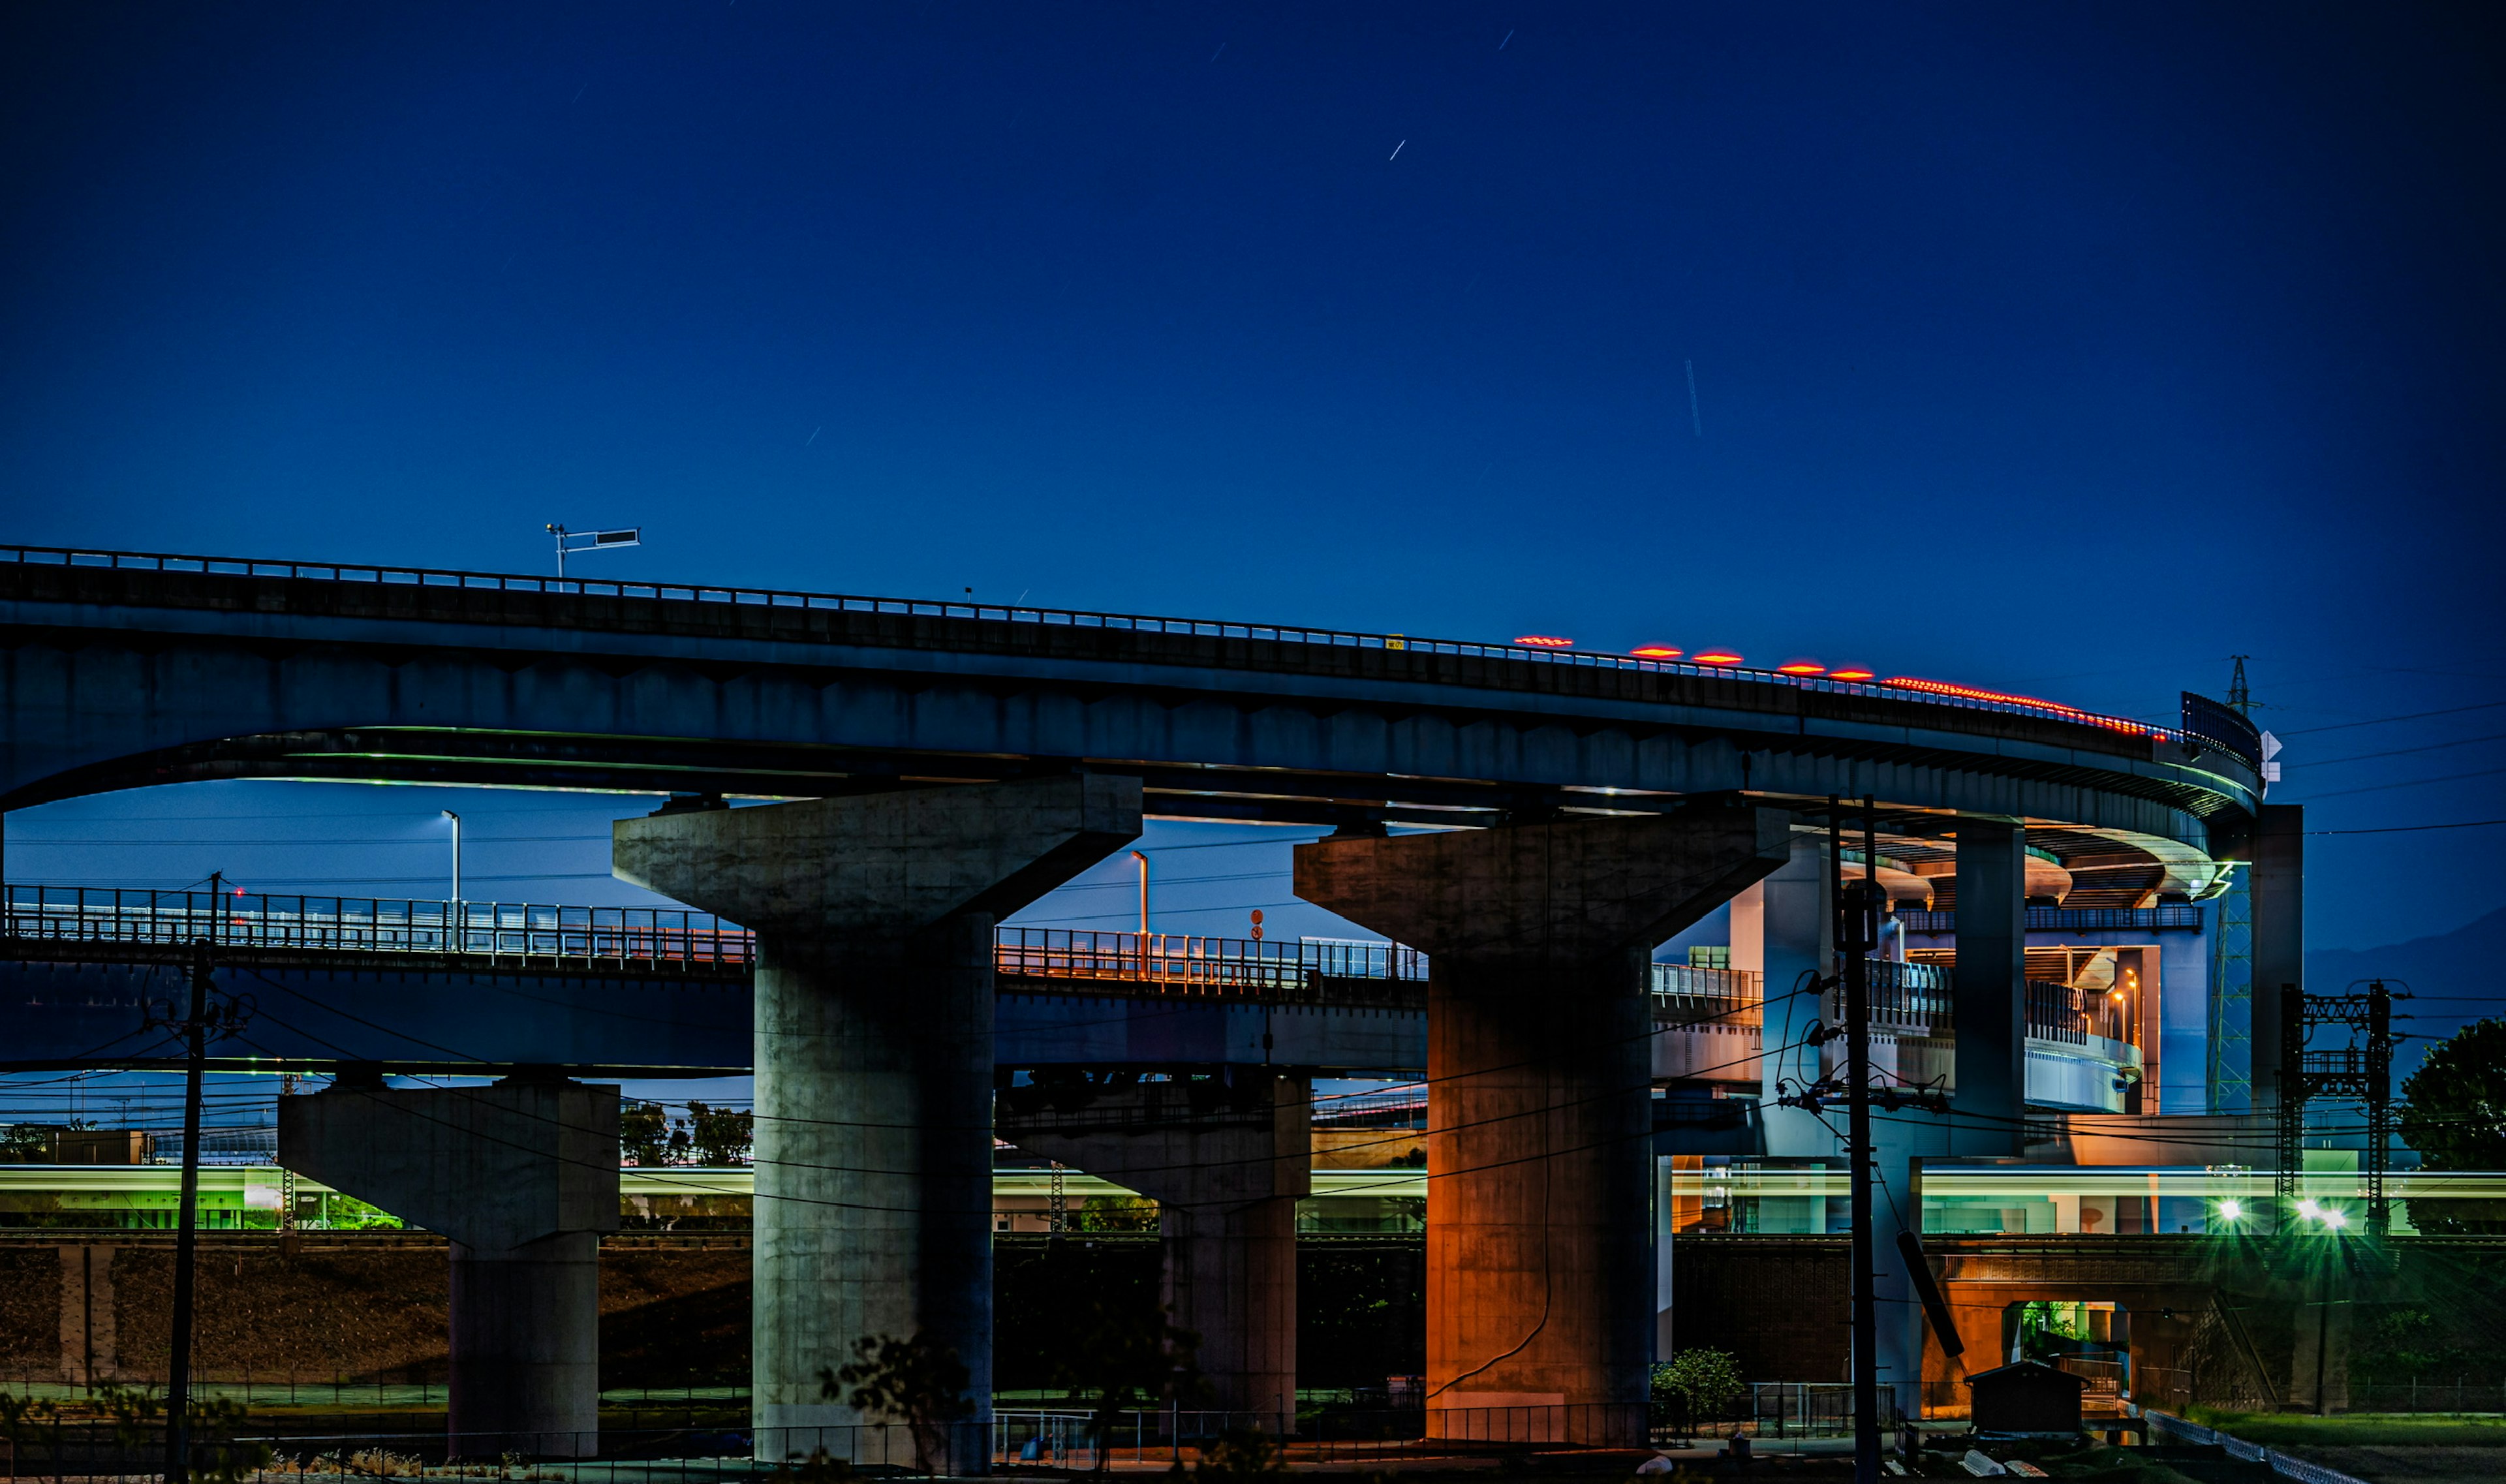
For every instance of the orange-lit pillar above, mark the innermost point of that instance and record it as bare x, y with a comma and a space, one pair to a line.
1539, 1133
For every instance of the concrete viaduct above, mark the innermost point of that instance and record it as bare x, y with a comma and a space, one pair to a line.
947, 763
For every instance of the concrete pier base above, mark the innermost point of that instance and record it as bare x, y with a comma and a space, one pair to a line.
1226, 1160
523, 1178
1539, 1136
874, 1066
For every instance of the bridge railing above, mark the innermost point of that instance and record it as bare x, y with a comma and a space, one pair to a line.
1687, 993
2070, 919
1929, 692
377, 925
1189, 962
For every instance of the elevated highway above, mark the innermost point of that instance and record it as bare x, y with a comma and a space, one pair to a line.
427, 987
125, 669
946, 764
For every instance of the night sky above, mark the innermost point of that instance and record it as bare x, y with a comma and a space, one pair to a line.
2064, 349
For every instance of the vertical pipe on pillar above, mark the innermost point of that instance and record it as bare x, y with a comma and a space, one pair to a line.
1990, 982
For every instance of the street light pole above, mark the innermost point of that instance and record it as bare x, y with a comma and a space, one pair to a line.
178, 1367
456, 854
1143, 859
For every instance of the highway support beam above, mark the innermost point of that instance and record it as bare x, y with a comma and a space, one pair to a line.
1988, 985
2279, 944
1539, 1138
523, 1178
873, 916
1227, 1158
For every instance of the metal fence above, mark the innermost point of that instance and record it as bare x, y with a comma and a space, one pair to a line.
1188, 962
1685, 991
2456, 1395
1902, 689
2070, 918
238, 918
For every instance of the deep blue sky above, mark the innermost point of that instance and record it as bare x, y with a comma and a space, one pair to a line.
2058, 349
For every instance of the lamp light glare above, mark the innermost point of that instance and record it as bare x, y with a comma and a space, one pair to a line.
2231, 1211
1800, 667
2308, 1209
1718, 657
2336, 1219
1852, 673
1657, 652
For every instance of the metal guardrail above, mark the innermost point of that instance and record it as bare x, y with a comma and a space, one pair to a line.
2070, 919
2166, 1426
1193, 963
1929, 692
378, 924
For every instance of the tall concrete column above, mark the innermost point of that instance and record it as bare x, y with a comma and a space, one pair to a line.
1785, 928
523, 1178
1539, 1136
1227, 1160
1989, 986
2279, 938
874, 1063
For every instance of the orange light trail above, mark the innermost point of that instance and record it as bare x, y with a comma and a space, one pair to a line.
2004, 697
1545, 641
1655, 652
1802, 667
1718, 657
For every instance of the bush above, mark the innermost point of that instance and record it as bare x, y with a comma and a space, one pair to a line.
1705, 1382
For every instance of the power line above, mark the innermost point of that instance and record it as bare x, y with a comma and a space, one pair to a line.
2377, 721
2361, 757
2407, 829
2450, 777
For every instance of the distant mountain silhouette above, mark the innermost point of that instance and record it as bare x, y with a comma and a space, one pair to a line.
2446, 971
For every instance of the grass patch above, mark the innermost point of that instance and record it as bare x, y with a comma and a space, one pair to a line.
2357, 1430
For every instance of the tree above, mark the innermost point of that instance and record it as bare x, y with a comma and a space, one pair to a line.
1116, 1213
643, 1132
918, 1382
2453, 1114
1118, 1350
721, 1136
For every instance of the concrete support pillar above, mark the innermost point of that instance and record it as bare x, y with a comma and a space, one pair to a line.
1539, 1137
874, 1063
1225, 1159
2279, 938
1785, 928
523, 1178
1988, 988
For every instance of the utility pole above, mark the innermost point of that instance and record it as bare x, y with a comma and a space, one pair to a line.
1854, 943
2240, 699
178, 1366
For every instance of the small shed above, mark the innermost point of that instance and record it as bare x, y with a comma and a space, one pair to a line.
2027, 1396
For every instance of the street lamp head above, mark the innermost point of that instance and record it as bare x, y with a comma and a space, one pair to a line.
450, 814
